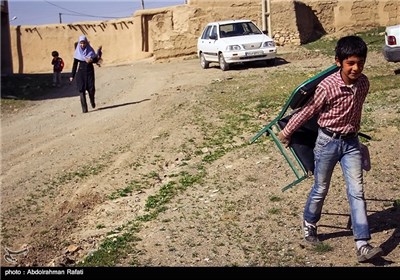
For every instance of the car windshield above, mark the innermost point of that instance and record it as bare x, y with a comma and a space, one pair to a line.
238, 29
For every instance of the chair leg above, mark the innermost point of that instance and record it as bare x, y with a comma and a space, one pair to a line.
349, 223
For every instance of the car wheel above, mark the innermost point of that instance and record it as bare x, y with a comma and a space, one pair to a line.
222, 63
203, 62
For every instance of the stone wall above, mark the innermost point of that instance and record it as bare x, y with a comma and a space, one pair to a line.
298, 22
173, 31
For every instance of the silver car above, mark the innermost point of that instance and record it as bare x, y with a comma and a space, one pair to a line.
391, 50
234, 41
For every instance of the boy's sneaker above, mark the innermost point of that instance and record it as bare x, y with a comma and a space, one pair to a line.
310, 233
367, 252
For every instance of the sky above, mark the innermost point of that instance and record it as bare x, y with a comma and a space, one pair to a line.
42, 12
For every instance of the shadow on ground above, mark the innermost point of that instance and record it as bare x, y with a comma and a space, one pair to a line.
257, 64
379, 221
122, 104
35, 87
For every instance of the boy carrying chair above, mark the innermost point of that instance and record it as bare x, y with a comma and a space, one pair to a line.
324, 130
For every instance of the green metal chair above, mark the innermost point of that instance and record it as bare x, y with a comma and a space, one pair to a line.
300, 154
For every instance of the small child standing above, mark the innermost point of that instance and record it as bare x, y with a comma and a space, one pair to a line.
58, 66
99, 55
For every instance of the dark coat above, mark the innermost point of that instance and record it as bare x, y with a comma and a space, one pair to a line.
85, 78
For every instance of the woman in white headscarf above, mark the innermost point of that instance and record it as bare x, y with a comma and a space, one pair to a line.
83, 71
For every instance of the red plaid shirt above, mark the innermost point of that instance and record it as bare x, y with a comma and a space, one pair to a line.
338, 106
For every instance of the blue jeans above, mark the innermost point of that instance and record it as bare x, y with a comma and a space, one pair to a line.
327, 152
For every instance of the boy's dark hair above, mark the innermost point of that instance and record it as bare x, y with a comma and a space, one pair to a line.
349, 46
54, 53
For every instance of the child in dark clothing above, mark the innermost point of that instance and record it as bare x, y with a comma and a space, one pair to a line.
58, 66
99, 54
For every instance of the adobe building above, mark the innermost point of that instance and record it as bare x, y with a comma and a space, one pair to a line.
170, 32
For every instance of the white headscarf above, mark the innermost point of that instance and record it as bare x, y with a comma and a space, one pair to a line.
87, 52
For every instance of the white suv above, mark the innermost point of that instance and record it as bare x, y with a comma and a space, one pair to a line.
234, 41
391, 50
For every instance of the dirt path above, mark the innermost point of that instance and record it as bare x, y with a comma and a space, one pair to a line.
52, 137
60, 167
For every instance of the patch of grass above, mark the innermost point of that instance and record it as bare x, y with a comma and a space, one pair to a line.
374, 39
135, 165
240, 94
322, 248
169, 190
251, 178
152, 175
81, 173
214, 155
379, 85
121, 193
274, 211
112, 249
188, 180
152, 215
44, 232
133, 185
275, 198
165, 193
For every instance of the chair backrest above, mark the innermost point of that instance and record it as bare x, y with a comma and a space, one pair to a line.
304, 91
303, 139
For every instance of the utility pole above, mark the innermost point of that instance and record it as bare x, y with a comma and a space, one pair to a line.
59, 14
269, 18
264, 23
142, 4
6, 53
266, 16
